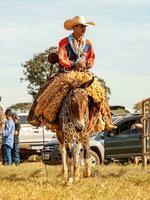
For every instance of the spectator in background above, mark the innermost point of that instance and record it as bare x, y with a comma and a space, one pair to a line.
2, 119
15, 152
8, 138
2, 124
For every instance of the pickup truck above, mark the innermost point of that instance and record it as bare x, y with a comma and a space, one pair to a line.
31, 138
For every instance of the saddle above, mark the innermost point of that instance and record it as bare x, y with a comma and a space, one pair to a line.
48, 101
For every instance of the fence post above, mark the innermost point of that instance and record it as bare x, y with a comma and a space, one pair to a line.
145, 132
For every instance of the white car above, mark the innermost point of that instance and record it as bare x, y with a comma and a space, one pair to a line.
32, 137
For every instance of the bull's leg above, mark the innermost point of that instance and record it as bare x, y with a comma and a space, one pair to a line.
77, 161
69, 163
70, 170
64, 161
87, 170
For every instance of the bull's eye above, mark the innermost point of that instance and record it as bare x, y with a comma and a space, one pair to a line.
82, 92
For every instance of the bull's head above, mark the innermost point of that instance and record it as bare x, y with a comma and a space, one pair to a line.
79, 105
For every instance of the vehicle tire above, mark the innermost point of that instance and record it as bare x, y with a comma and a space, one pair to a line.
136, 160
94, 159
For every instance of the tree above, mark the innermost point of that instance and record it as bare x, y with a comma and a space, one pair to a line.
138, 107
38, 69
21, 107
107, 89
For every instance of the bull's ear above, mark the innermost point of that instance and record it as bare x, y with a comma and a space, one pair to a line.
87, 83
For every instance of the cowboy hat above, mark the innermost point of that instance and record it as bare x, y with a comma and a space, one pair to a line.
68, 24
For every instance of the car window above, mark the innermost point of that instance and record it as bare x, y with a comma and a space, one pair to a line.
125, 127
23, 119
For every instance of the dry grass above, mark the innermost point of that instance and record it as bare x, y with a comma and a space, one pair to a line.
29, 182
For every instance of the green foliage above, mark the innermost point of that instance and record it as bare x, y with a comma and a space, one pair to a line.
37, 70
138, 107
21, 107
107, 89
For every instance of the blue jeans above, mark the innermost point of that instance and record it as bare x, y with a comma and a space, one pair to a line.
6, 154
16, 156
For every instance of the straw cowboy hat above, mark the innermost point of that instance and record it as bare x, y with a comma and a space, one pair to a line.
68, 24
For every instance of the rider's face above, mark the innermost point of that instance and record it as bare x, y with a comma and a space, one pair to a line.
79, 29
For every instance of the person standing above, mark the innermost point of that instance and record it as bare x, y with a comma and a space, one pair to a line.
75, 52
2, 119
8, 138
16, 156
2, 125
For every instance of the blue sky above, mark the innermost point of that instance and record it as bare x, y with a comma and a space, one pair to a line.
121, 41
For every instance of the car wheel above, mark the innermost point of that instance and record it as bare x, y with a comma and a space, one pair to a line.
136, 160
94, 159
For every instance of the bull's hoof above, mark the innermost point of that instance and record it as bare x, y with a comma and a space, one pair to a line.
86, 173
70, 181
76, 179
